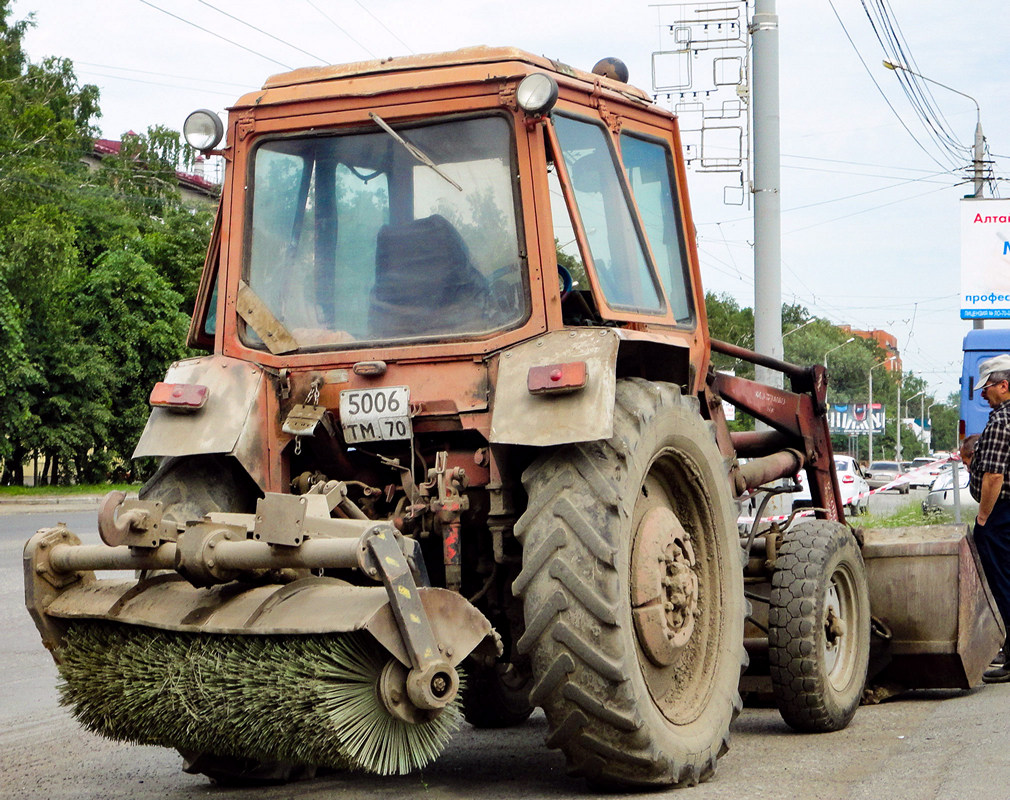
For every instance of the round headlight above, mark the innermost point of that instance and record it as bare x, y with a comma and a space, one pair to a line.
203, 130
537, 93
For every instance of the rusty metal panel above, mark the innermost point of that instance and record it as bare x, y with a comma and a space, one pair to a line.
519, 417
927, 586
307, 606
229, 422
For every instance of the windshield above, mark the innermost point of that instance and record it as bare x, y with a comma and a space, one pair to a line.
354, 239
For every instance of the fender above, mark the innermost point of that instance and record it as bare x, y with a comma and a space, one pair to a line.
520, 417
230, 422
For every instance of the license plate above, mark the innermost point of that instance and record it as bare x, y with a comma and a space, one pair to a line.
372, 415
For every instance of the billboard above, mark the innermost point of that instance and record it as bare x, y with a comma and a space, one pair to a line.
985, 259
856, 418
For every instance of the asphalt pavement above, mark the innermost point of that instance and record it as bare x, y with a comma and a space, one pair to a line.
922, 746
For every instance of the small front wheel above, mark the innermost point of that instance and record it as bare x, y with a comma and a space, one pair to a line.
819, 626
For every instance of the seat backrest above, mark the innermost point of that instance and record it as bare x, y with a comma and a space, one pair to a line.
421, 267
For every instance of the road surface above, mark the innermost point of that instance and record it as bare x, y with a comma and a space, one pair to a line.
929, 746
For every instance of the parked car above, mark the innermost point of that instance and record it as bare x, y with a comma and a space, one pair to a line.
925, 471
851, 481
941, 495
881, 473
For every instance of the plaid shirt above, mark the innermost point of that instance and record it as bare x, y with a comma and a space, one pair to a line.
992, 453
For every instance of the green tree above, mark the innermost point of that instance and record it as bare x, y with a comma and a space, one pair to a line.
96, 267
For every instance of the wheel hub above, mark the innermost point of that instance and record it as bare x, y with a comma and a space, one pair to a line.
664, 586
834, 627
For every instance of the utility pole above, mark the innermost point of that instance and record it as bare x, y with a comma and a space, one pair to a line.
978, 165
767, 202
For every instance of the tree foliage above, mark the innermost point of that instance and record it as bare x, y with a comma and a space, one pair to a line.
807, 340
98, 269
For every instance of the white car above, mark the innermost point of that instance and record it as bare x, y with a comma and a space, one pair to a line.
941, 494
854, 488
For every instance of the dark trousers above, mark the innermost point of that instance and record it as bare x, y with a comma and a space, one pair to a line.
992, 541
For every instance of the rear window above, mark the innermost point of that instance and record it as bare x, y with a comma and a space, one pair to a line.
843, 466
884, 465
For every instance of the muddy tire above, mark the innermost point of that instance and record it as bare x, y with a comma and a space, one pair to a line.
819, 627
636, 693
496, 697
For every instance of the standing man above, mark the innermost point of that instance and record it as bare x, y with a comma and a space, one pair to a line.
990, 486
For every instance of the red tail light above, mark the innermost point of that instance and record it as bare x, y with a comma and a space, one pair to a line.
848, 479
178, 396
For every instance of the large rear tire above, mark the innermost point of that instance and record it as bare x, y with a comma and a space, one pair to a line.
633, 595
819, 627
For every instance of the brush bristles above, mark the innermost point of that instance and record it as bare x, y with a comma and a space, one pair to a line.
303, 699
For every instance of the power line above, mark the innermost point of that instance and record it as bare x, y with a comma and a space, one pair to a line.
329, 19
387, 30
216, 35
260, 30
155, 83
194, 79
874, 80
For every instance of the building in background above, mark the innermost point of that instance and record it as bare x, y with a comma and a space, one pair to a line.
886, 340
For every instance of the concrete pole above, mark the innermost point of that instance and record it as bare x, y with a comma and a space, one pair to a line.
897, 444
979, 163
869, 455
767, 203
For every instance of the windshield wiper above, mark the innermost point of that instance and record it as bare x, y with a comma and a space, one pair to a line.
414, 151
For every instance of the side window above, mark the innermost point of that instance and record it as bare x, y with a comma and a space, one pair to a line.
649, 168
617, 254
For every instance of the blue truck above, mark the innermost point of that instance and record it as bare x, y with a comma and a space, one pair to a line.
978, 346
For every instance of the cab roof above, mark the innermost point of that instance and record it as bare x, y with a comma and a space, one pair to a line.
463, 57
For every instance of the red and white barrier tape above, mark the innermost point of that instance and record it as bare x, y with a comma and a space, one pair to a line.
901, 479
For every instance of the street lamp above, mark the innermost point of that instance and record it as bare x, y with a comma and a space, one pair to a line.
802, 325
979, 139
869, 455
832, 349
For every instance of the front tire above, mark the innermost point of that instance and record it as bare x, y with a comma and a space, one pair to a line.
819, 627
633, 595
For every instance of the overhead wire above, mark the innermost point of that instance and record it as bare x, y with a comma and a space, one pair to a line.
260, 30
879, 89
216, 35
193, 78
915, 89
383, 24
333, 22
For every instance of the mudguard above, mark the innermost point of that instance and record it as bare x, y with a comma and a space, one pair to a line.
521, 417
230, 422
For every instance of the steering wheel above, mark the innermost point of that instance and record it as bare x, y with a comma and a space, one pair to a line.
565, 282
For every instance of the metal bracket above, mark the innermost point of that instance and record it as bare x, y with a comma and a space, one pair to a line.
304, 420
432, 677
282, 519
134, 523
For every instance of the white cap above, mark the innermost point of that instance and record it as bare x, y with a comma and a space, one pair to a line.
1000, 363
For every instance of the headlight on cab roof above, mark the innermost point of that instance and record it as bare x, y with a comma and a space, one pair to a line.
537, 94
203, 130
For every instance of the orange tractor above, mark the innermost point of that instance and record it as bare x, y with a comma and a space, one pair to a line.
457, 416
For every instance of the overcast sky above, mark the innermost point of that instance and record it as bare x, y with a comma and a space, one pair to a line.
870, 225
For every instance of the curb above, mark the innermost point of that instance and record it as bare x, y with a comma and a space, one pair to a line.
51, 500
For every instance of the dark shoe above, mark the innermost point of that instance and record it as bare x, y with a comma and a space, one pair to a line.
996, 675
998, 660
